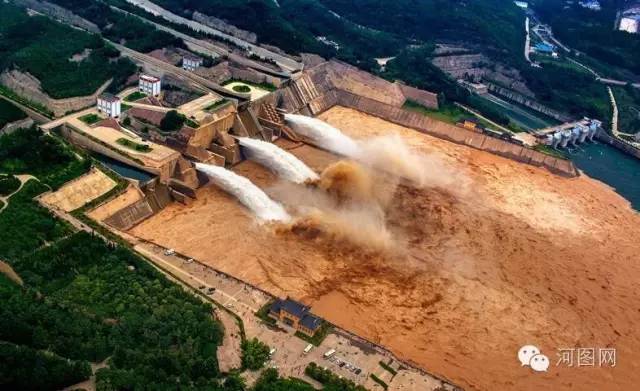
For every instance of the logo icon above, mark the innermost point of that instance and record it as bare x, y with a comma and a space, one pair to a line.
529, 355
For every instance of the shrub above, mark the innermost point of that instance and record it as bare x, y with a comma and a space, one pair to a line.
89, 119
134, 96
133, 145
241, 88
379, 381
172, 121
330, 380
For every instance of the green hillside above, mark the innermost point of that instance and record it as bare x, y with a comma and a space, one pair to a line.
45, 49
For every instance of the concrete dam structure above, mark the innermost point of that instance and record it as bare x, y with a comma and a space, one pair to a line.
334, 83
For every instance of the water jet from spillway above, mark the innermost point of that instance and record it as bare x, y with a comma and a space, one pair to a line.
246, 192
283, 163
323, 134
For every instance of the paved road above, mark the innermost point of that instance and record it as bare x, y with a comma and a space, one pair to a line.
60, 121
23, 179
282, 61
616, 82
208, 48
176, 71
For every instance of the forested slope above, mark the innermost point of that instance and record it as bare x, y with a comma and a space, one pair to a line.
45, 49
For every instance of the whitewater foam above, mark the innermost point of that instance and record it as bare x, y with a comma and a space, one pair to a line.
246, 192
283, 163
323, 135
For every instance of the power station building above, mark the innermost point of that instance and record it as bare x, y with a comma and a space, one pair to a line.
110, 105
296, 315
149, 85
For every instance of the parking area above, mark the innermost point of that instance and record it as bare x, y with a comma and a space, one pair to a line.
349, 358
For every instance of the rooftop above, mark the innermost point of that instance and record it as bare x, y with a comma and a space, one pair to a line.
311, 322
108, 97
148, 78
292, 307
191, 57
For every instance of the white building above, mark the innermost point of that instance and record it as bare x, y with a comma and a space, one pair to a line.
630, 24
191, 63
149, 85
109, 105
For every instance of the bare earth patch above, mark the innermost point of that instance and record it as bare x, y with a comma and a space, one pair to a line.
229, 353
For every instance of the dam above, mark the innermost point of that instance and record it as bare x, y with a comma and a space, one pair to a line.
302, 192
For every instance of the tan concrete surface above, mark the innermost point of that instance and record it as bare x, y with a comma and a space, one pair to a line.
80, 191
128, 197
256, 93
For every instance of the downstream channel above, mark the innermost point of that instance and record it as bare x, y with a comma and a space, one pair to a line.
613, 167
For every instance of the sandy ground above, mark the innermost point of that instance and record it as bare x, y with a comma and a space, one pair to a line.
128, 197
76, 193
510, 255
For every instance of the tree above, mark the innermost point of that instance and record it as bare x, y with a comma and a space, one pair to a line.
172, 121
254, 354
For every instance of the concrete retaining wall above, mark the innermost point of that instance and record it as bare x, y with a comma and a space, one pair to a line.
425, 98
77, 138
59, 13
13, 126
456, 134
127, 217
29, 87
619, 144
528, 102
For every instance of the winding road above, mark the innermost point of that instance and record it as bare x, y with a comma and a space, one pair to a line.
23, 179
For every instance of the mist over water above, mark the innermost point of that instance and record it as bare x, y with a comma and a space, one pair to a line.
246, 192
387, 153
283, 163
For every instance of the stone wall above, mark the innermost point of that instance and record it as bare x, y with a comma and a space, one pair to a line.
619, 144
336, 74
223, 26
29, 87
225, 71
59, 13
456, 134
425, 98
13, 126
528, 102
77, 138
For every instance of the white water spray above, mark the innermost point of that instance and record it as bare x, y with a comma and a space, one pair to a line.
323, 134
246, 192
283, 163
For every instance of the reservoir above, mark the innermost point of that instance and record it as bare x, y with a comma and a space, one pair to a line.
123, 169
613, 167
